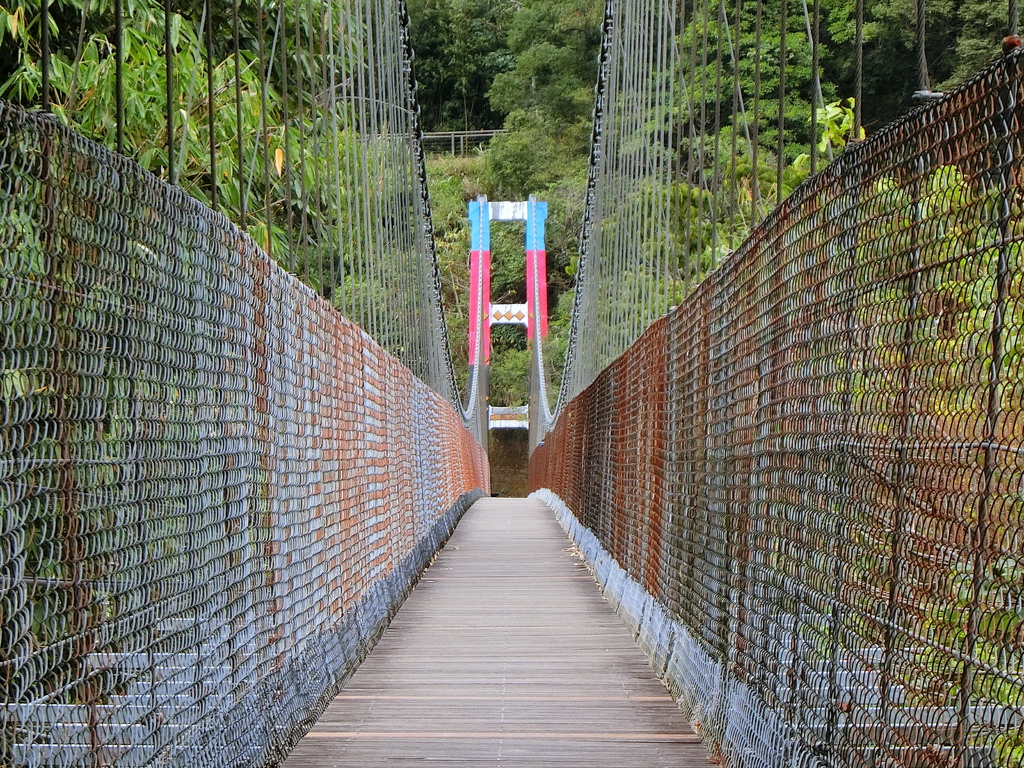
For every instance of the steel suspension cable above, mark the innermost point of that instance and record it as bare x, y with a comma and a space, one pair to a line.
734, 138
183, 156
660, 224
812, 22
264, 142
780, 159
816, 80
44, 59
858, 88
302, 265
716, 172
695, 174
210, 109
286, 143
239, 154
756, 133
324, 246
338, 253
676, 23
740, 108
80, 48
924, 81
365, 128
118, 72
172, 174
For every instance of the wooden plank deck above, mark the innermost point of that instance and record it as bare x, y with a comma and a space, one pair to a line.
505, 654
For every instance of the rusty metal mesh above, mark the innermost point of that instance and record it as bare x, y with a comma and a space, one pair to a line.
213, 488
816, 463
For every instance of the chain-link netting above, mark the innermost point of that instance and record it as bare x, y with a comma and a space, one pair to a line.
213, 488
816, 463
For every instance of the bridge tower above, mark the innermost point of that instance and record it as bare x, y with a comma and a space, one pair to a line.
481, 214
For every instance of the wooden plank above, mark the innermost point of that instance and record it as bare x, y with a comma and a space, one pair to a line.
505, 654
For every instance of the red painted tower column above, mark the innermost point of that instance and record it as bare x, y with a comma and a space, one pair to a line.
480, 310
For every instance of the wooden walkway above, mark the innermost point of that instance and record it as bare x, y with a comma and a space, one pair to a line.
506, 654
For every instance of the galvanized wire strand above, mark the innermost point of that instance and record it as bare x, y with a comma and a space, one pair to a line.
706, 184
626, 74
754, 139
118, 72
263, 147
303, 266
693, 172
320, 235
172, 172
734, 139
660, 207
401, 153
210, 107
44, 54
650, 163
80, 49
858, 86
660, 281
260, 149
812, 36
373, 166
716, 171
780, 143
240, 177
329, 240
280, 41
924, 81
340, 297
740, 106
190, 98
374, 95
813, 23
697, 188
363, 158
343, 105
681, 108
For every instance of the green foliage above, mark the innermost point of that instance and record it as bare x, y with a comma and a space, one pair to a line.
461, 46
529, 158
510, 367
555, 44
83, 96
835, 125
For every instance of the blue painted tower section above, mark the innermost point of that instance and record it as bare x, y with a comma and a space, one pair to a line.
536, 268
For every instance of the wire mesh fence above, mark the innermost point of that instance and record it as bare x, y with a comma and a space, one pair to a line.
213, 488
814, 464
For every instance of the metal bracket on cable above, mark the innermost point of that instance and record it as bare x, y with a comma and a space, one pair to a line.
926, 97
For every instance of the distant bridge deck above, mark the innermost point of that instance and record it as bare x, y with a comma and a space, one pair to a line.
505, 654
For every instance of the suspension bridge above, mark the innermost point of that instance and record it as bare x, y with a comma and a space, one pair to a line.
786, 440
